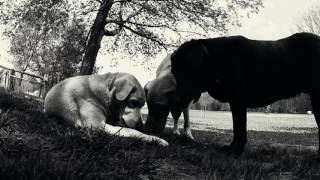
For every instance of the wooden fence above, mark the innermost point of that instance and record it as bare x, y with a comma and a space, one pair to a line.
22, 82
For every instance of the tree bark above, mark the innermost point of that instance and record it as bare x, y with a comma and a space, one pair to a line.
95, 36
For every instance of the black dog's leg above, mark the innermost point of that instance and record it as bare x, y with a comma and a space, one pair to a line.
239, 117
315, 100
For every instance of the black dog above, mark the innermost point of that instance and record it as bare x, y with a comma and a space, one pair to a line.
248, 73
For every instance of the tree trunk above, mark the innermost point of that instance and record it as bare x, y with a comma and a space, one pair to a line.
95, 36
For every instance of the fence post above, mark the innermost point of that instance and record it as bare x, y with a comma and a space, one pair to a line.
12, 80
45, 85
44, 89
20, 80
6, 80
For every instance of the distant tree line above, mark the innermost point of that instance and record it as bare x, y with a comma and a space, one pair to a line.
298, 104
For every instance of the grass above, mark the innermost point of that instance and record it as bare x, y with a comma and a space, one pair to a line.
33, 146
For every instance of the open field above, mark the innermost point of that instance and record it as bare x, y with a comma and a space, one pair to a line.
297, 126
33, 146
212, 120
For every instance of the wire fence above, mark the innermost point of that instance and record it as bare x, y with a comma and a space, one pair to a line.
22, 82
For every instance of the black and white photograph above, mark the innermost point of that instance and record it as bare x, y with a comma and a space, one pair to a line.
160, 89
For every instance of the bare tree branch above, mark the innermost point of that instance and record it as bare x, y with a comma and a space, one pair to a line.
166, 26
147, 36
123, 1
137, 12
99, 1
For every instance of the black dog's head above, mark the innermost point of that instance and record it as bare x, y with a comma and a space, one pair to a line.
161, 99
187, 67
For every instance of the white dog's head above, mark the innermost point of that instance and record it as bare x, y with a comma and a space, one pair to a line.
128, 97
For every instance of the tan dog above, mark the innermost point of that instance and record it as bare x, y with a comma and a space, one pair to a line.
162, 99
111, 102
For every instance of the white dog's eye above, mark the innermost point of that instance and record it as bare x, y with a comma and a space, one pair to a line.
133, 103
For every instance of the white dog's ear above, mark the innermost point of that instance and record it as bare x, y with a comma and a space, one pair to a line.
123, 88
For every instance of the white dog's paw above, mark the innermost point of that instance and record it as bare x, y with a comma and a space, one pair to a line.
161, 141
187, 133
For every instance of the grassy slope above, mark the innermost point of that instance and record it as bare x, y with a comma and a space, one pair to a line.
35, 147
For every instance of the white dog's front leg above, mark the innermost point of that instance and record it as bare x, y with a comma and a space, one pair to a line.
127, 132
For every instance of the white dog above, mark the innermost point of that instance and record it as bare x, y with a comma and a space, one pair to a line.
111, 102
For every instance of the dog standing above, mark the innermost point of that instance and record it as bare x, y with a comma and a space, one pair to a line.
162, 99
110, 101
248, 73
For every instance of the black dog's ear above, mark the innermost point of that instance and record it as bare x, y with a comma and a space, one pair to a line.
123, 88
196, 53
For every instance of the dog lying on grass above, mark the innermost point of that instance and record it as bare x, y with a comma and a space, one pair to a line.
248, 73
111, 102
162, 99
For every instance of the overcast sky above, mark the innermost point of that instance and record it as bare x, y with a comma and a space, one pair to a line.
274, 21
